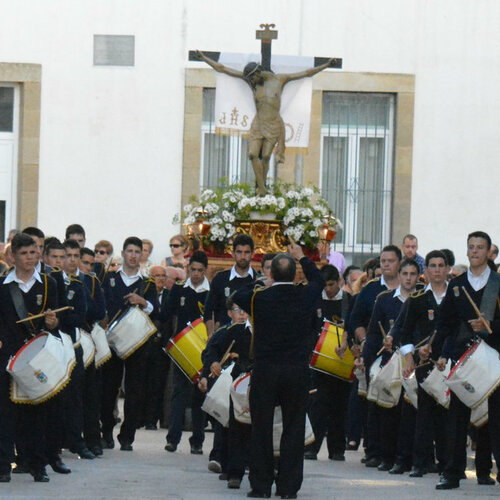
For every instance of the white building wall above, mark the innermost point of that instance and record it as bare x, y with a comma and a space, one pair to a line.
111, 137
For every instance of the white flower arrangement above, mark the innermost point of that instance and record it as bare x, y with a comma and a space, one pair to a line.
302, 210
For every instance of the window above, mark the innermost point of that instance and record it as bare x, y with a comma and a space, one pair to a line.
6, 109
114, 50
357, 135
223, 156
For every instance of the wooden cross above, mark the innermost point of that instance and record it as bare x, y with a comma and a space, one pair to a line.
266, 36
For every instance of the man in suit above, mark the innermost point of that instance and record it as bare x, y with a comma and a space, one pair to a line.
282, 316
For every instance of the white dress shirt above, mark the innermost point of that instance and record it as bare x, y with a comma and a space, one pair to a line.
204, 286
478, 282
24, 286
233, 274
130, 280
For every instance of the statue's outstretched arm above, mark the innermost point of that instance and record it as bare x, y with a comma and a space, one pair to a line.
219, 67
307, 72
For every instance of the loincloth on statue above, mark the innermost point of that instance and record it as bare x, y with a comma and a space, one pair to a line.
272, 131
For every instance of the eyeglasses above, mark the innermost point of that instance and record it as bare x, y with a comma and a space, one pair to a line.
175, 245
101, 252
237, 310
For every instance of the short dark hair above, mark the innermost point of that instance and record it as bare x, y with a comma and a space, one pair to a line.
71, 244
480, 234
449, 257
49, 241
394, 249
21, 240
74, 229
243, 240
132, 240
330, 273
33, 231
409, 262
348, 270
266, 257
55, 245
86, 251
200, 257
283, 267
410, 237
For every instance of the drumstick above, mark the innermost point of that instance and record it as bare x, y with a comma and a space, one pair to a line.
476, 309
224, 358
121, 310
382, 330
41, 315
313, 391
422, 342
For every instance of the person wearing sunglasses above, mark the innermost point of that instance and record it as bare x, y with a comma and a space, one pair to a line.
178, 247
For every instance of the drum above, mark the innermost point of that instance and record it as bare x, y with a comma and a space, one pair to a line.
278, 431
375, 368
102, 350
186, 347
479, 415
361, 376
216, 402
324, 358
88, 348
410, 386
239, 396
385, 388
40, 369
130, 331
476, 374
435, 385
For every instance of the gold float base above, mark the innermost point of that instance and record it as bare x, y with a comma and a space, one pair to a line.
267, 234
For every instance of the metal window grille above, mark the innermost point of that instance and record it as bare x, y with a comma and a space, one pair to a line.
223, 156
357, 136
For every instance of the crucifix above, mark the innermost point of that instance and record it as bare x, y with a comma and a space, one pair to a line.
267, 131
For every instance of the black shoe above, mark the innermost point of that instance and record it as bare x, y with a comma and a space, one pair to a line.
5, 478
364, 460
447, 484
196, 450
485, 480
96, 450
399, 469
418, 472
339, 457
40, 476
223, 476
310, 455
84, 453
214, 466
289, 496
60, 467
384, 467
170, 447
234, 483
373, 462
21, 469
258, 494
107, 441
150, 427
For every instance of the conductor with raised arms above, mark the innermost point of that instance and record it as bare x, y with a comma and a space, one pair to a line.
281, 315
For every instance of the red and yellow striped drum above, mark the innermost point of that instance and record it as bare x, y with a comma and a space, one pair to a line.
186, 347
325, 359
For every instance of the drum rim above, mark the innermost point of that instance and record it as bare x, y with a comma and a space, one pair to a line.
19, 352
188, 328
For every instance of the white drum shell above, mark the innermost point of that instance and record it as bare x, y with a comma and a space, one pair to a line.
410, 386
216, 402
239, 396
40, 369
435, 385
476, 375
102, 350
385, 386
479, 415
130, 332
88, 348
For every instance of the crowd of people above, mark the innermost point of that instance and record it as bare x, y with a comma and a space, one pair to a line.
429, 310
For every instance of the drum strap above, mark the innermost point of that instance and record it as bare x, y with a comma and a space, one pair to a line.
490, 296
20, 306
